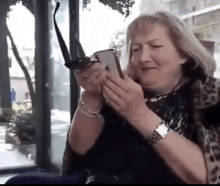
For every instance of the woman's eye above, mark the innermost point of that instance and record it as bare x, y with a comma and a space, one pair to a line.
156, 46
135, 49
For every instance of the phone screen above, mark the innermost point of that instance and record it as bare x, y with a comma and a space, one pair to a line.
110, 59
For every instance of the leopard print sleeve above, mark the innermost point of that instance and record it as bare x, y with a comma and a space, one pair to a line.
206, 127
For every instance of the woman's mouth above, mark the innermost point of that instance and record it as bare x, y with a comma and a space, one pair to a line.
147, 68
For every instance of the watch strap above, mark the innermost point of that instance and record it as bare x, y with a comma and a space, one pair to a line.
159, 133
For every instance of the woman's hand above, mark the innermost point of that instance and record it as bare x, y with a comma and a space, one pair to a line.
92, 77
126, 97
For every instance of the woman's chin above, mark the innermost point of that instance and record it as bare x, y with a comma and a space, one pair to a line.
151, 87
149, 83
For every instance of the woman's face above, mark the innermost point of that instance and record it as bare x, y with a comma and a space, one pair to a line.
156, 59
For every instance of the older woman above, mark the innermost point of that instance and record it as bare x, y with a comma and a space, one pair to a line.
157, 125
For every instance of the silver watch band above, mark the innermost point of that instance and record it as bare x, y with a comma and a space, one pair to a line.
159, 133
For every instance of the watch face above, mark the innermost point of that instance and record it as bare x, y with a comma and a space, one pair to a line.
162, 130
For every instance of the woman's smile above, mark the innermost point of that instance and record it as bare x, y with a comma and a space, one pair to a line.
149, 73
146, 69
156, 60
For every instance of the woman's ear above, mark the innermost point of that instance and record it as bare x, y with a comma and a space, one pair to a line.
183, 60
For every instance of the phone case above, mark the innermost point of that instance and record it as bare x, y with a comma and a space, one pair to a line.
109, 57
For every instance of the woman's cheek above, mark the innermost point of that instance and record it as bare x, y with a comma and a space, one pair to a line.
134, 61
161, 61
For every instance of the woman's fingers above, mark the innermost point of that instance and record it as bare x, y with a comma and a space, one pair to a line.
93, 72
118, 81
92, 77
115, 89
117, 85
111, 98
93, 68
100, 78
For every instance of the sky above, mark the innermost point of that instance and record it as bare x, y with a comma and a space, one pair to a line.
96, 26
21, 25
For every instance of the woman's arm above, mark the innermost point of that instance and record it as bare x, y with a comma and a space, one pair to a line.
85, 130
184, 157
180, 154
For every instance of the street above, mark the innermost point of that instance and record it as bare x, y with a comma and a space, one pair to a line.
2, 134
22, 155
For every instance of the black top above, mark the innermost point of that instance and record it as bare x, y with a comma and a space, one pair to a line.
121, 149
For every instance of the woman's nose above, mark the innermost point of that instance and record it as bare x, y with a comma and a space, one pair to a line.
145, 54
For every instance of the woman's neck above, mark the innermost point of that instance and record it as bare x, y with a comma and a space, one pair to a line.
156, 93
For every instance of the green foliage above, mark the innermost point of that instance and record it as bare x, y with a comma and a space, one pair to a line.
123, 6
7, 113
11, 3
29, 4
23, 120
85, 3
24, 127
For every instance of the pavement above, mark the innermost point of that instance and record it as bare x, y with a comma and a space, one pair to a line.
58, 143
23, 155
10, 156
16, 156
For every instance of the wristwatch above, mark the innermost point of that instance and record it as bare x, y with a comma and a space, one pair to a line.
159, 133
162, 129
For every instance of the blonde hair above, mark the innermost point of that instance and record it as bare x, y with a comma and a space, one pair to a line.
183, 39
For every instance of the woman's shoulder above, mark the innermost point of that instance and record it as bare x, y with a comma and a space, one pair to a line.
210, 99
208, 90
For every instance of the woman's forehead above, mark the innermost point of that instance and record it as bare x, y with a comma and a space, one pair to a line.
150, 31
143, 26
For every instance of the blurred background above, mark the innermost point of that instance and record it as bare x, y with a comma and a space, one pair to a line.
38, 94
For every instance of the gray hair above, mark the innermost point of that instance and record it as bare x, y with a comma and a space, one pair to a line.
183, 39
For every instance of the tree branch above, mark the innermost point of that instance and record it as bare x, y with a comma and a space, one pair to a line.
23, 67
27, 3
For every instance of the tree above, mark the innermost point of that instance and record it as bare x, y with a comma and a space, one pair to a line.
5, 98
39, 96
29, 4
123, 6
23, 67
4, 64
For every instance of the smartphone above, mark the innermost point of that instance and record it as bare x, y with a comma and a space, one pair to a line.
109, 57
